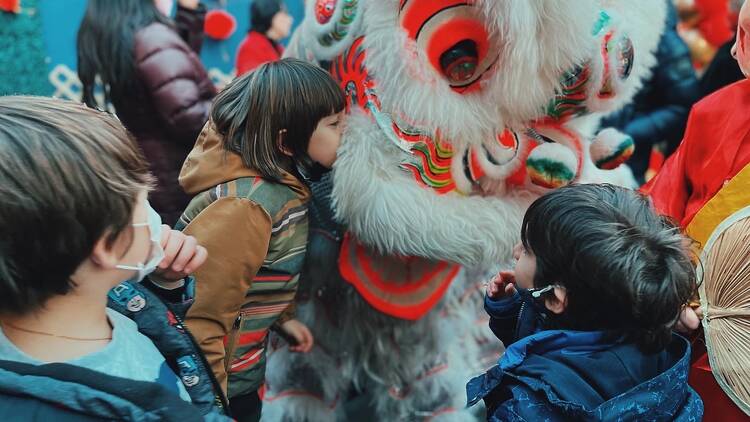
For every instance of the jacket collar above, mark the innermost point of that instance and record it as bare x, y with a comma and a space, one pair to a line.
539, 343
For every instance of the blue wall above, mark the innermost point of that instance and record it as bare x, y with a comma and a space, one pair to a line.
61, 19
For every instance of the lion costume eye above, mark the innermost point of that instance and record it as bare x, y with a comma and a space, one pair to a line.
454, 38
625, 54
459, 64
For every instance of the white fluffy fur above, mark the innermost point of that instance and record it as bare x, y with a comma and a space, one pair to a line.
449, 335
297, 409
385, 208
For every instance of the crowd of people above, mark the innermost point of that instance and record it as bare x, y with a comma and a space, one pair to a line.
146, 258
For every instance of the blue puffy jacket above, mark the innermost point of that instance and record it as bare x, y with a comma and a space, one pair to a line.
580, 376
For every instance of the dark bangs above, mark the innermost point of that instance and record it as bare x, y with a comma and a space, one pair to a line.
278, 104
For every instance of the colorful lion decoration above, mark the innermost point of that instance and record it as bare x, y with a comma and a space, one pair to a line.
460, 113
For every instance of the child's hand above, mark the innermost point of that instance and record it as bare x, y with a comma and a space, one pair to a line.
182, 255
503, 285
689, 321
300, 333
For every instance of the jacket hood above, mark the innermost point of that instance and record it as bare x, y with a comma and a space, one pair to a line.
209, 164
582, 376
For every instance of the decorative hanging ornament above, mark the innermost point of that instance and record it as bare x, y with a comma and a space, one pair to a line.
611, 148
220, 25
10, 6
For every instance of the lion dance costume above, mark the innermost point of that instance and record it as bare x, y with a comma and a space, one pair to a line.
460, 114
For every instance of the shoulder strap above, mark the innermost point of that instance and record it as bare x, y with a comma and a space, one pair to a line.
166, 330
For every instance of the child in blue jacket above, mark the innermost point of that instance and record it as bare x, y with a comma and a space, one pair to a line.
81, 337
587, 314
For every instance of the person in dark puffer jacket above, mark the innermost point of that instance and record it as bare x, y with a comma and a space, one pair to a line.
153, 77
76, 341
659, 111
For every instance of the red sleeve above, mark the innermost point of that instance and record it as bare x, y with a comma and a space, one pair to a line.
670, 189
253, 52
247, 60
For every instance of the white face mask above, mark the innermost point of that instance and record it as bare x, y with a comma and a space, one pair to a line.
157, 253
165, 6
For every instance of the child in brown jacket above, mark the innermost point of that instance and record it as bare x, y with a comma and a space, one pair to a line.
267, 130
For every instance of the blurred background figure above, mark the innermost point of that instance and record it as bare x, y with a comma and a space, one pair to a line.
705, 26
723, 69
149, 68
658, 114
270, 23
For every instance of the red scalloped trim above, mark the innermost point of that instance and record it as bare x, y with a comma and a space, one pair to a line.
408, 312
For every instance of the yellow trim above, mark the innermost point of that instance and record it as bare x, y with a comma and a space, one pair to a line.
734, 196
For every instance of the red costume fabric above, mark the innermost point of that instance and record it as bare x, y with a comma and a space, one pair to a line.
704, 182
255, 50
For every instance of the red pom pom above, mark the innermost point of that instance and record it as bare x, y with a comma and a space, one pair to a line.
220, 25
13, 6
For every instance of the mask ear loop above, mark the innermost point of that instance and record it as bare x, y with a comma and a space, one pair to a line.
140, 265
538, 293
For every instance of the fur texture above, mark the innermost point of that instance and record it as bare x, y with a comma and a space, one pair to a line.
384, 208
366, 363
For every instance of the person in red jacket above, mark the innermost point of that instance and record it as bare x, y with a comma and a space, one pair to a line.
705, 182
270, 23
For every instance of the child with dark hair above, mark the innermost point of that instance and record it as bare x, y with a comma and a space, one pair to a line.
77, 341
587, 314
268, 129
270, 23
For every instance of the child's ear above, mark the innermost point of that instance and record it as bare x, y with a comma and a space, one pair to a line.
105, 254
280, 144
558, 301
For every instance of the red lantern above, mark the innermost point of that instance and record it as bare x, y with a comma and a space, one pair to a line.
220, 25
13, 6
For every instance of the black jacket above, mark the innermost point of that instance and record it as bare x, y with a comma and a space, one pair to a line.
171, 103
659, 111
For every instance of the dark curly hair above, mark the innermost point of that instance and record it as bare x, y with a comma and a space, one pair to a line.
626, 269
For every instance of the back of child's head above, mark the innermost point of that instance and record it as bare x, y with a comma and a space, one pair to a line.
68, 176
283, 100
625, 269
